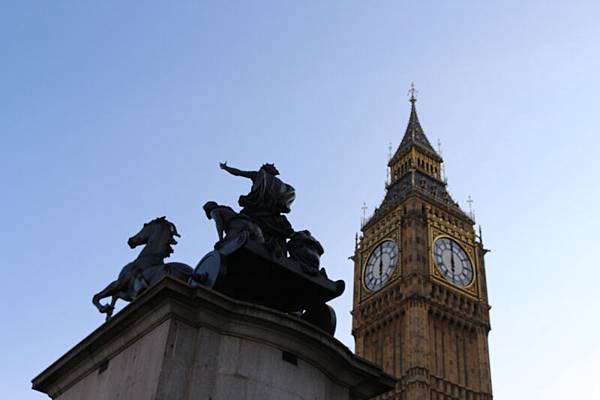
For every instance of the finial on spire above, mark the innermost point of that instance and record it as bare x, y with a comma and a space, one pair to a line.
364, 214
471, 213
442, 174
388, 177
481, 242
413, 93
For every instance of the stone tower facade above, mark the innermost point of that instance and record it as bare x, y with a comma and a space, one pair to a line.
420, 307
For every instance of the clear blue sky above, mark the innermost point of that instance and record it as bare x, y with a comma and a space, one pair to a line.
116, 112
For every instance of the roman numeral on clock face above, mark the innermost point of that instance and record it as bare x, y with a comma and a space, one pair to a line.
452, 262
380, 265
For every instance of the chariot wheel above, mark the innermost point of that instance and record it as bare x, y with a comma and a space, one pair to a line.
210, 268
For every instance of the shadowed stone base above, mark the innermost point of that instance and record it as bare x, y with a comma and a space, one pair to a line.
178, 342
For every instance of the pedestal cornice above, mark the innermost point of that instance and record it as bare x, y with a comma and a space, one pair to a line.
171, 300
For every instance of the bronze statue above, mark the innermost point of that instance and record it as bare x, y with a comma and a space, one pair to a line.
249, 261
148, 268
231, 224
268, 199
306, 250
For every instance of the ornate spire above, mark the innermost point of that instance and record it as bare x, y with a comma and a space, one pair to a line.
414, 120
415, 167
414, 135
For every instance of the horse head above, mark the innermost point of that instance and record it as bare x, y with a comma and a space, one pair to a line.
158, 234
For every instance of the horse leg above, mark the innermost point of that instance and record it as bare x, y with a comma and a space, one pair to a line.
111, 307
110, 290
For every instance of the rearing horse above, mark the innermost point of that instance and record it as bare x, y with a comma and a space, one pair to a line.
148, 268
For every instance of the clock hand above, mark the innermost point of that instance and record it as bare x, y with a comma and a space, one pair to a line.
381, 262
452, 257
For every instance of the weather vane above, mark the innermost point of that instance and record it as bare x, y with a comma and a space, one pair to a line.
413, 92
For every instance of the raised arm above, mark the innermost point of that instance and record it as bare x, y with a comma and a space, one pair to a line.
237, 172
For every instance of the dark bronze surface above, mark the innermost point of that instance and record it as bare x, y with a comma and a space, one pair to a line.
257, 258
148, 268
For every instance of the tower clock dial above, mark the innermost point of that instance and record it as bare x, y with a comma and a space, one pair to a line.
453, 262
380, 265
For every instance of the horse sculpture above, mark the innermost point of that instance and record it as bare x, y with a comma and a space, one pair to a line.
148, 268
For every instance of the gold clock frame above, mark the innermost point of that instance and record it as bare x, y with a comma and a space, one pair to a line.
365, 259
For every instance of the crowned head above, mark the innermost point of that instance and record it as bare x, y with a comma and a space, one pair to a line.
270, 169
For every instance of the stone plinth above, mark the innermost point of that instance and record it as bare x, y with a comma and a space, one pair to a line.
178, 342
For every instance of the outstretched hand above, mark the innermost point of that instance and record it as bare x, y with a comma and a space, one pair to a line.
223, 165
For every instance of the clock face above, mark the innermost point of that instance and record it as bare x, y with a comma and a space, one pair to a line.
381, 265
452, 262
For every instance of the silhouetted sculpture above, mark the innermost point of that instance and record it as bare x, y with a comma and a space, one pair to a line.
306, 250
148, 268
248, 268
231, 224
269, 197
249, 260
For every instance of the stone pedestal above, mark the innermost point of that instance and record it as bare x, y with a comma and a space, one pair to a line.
178, 342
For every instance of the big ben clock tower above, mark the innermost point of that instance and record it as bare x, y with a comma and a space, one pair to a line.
420, 306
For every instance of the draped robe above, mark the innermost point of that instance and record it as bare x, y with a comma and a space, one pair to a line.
269, 197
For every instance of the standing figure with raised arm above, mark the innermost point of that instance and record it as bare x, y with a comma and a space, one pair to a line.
268, 199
